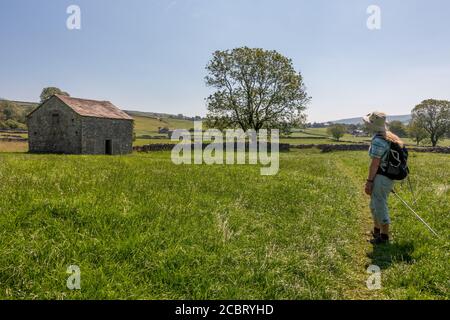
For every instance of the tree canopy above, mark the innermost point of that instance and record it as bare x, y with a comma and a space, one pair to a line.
254, 89
50, 91
433, 116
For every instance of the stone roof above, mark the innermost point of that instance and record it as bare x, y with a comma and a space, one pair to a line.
94, 108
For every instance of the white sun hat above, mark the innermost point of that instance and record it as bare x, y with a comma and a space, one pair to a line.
376, 121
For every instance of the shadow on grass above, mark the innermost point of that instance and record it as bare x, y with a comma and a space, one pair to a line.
385, 255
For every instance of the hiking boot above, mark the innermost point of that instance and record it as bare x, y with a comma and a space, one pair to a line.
381, 239
376, 233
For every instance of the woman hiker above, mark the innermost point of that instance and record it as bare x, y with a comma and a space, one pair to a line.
378, 187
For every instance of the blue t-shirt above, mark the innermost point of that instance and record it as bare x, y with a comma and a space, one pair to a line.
379, 148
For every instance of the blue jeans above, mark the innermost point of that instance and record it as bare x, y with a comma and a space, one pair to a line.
382, 187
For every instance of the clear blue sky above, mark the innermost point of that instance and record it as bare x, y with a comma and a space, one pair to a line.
150, 55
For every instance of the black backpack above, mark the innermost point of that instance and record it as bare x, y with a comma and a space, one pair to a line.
397, 163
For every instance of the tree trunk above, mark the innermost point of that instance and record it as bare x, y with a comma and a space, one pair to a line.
434, 142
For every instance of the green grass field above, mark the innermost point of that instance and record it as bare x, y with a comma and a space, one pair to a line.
140, 227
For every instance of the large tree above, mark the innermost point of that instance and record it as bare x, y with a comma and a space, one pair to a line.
50, 91
255, 89
434, 117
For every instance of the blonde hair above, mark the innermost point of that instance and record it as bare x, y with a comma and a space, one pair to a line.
393, 138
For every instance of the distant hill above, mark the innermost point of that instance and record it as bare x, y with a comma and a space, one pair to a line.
160, 115
149, 114
12, 114
28, 106
403, 118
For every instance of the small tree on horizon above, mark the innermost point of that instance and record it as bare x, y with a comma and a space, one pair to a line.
398, 128
50, 91
337, 131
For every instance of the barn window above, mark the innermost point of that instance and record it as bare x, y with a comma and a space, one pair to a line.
35, 133
55, 118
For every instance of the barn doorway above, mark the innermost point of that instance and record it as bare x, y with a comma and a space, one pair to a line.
108, 147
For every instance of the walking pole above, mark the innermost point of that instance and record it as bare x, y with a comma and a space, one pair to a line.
417, 216
412, 192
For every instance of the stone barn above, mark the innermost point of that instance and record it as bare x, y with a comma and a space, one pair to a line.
79, 126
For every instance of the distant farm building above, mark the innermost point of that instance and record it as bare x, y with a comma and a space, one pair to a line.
358, 133
163, 130
79, 126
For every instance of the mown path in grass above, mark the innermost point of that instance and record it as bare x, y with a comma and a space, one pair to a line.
362, 226
414, 264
